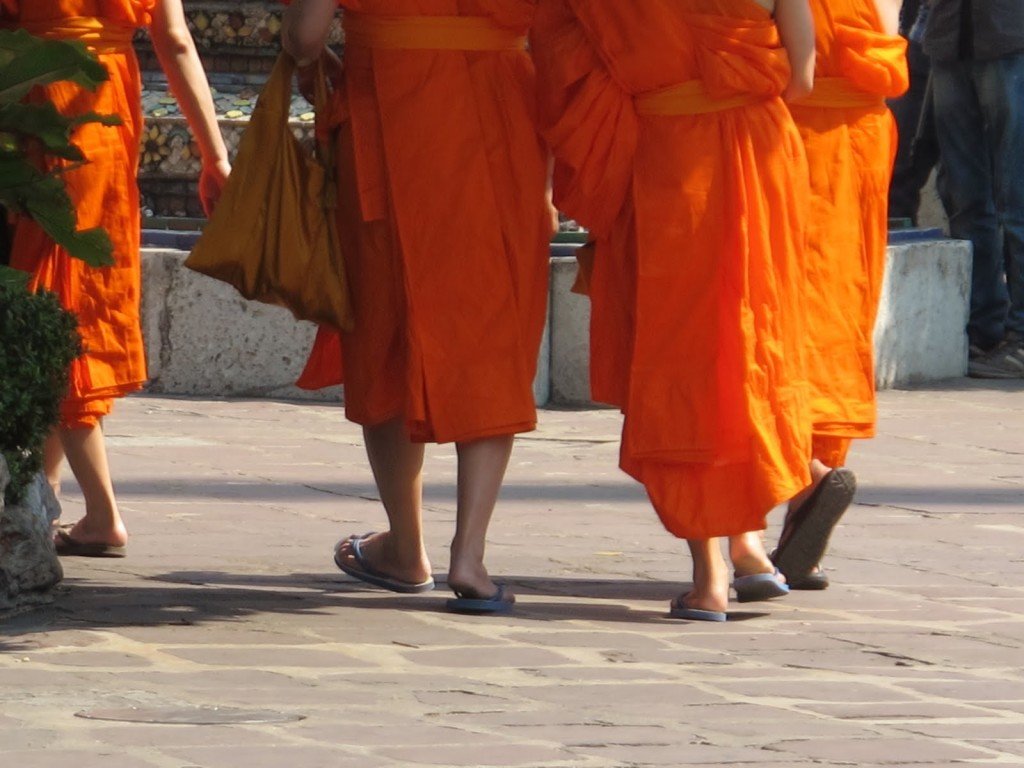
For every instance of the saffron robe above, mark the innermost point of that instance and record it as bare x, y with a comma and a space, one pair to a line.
697, 222
104, 193
443, 224
850, 138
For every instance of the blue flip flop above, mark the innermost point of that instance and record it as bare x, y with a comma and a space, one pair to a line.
370, 575
759, 586
500, 602
680, 611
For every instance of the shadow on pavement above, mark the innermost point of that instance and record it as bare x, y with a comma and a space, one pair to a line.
180, 488
193, 598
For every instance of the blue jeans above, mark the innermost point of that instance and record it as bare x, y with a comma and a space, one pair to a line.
979, 116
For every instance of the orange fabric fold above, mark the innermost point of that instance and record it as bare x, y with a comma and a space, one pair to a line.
839, 93
850, 140
440, 33
99, 35
449, 307
689, 98
697, 222
872, 60
104, 193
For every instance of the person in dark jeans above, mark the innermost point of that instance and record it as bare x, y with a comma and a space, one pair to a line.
917, 152
977, 53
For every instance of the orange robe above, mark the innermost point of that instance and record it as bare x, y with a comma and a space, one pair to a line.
850, 138
105, 194
698, 223
442, 219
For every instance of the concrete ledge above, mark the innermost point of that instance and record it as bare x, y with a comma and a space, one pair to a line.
202, 338
920, 330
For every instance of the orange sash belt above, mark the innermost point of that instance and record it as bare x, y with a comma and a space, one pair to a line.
99, 35
839, 93
425, 33
689, 98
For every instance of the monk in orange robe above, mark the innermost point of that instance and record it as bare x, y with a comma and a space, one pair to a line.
444, 228
850, 138
674, 148
105, 194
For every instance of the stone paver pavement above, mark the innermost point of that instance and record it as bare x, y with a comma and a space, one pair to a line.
229, 600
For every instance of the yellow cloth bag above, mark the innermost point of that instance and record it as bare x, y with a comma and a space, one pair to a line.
272, 235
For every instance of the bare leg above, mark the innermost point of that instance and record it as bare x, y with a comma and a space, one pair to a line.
818, 471
482, 465
87, 454
748, 554
397, 465
710, 577
53, 460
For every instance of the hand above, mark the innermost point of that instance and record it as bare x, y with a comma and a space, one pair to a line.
306, 74
211, 183
800, 86
553, 213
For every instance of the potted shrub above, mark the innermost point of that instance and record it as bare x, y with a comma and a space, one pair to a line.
38, 340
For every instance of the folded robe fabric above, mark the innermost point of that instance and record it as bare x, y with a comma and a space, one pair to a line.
697, 217
105, 194
850, 138
442, 218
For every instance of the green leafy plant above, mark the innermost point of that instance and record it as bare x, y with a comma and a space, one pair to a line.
38, 338
27, 62
38, 341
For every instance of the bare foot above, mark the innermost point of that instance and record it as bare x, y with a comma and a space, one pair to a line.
714, 598
468, 577
710, 590
85, 532
387, 555
818, 472
748, 554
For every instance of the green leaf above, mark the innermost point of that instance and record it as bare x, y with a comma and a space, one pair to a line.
15, 173
45, 123
13, 279
44, 199
27, 61
50, 209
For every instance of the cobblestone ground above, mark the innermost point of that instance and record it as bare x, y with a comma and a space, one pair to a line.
229, 601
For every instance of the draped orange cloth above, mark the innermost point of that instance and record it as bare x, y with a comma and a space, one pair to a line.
850, 138
104, 193
442, 219
697, 215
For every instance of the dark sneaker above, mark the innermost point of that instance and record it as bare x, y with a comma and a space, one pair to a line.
1004, 361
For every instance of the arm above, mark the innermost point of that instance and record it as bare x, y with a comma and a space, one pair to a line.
177, 53
796, 28
889, 13
306, 26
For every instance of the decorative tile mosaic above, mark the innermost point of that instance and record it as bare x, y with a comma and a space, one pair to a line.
168, 149
254, 27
